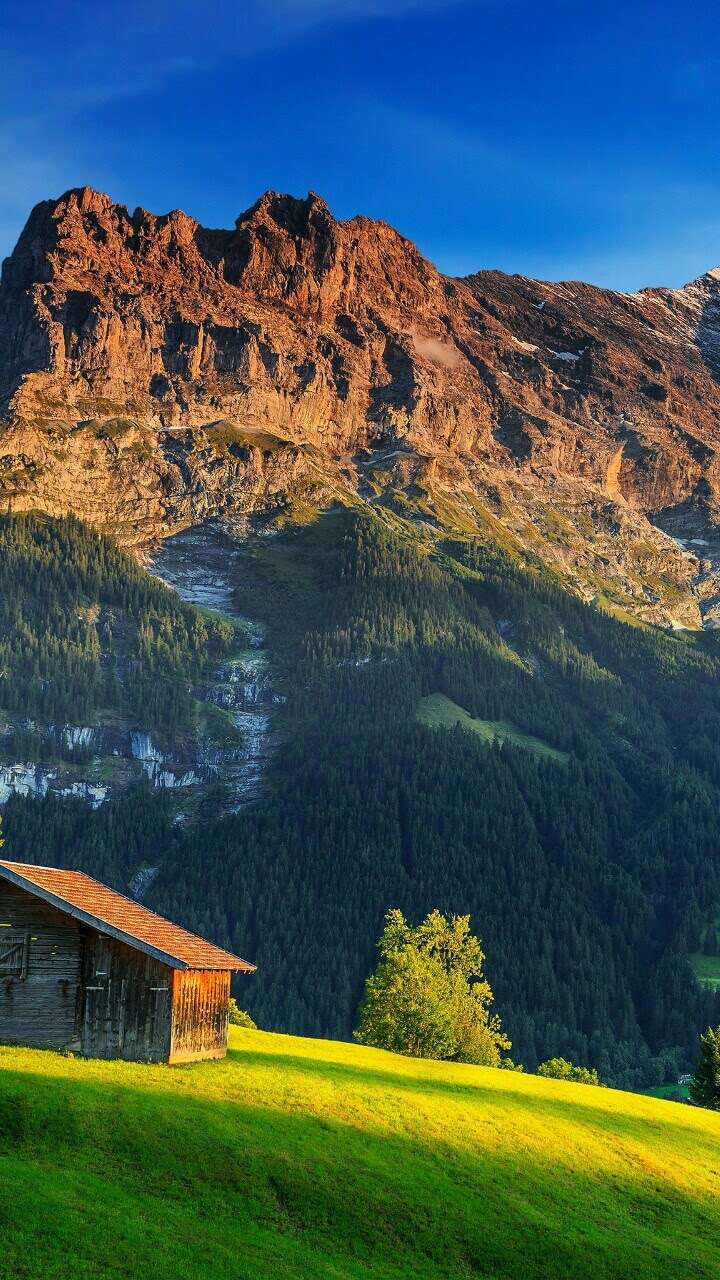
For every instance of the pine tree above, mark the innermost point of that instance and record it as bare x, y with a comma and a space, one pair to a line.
710, 944
705, 1086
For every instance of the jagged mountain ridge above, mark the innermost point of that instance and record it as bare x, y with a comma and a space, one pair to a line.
154, 373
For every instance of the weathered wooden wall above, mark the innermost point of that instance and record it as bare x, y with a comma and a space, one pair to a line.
199, 1014
82, 990
42, 1007
126, 1007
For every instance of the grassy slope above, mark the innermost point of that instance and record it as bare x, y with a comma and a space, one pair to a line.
707, 969
439, 712
299, 1158
674, 1092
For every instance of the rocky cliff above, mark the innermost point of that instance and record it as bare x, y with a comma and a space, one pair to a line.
154, 373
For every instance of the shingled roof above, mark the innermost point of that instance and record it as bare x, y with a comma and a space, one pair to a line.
119, 917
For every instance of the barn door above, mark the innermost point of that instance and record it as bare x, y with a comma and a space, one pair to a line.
100, 1024
158, 1025
125, 1003
95, 1000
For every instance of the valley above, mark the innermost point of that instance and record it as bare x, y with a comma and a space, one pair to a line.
324, 596
359, 641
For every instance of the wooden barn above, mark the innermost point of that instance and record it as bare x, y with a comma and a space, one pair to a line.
87, 969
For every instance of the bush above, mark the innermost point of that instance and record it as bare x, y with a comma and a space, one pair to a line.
560, 1069
239, 1018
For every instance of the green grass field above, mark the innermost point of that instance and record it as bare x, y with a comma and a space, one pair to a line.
301, 1158
707, 970
439, 712
675, 1092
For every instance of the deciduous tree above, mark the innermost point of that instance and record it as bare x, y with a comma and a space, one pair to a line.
428, 997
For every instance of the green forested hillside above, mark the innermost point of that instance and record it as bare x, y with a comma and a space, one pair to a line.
296, 1158
588, 883
590, 868
84, 629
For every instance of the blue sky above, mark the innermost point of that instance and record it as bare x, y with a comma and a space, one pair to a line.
558, 139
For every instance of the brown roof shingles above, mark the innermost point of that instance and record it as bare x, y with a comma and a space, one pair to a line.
82, 895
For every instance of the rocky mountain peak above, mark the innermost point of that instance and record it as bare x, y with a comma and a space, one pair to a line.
289, 213
339, 337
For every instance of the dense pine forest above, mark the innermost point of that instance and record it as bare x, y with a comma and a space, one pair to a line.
85, 630
567, 795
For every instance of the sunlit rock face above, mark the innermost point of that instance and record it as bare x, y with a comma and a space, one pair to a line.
155, 374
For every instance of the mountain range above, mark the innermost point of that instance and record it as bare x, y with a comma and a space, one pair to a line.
330, 583
155, 373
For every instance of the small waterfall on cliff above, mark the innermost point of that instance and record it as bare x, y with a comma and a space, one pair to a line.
201, 564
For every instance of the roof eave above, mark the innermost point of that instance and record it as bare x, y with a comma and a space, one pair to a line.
236, 963
94, 922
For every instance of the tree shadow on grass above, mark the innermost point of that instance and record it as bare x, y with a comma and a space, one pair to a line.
307, 1195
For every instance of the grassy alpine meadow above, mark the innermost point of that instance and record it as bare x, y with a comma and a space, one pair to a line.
298, 1158
707, 970
439, 712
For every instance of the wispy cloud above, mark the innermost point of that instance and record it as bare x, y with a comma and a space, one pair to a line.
94, 53
610, 180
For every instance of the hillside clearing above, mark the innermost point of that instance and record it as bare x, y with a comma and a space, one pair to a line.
438, 712
706, 970
672, 1092
297, 1158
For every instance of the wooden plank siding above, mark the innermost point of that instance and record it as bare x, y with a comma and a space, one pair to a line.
41, 1007
126, 1006
81, 990
200, 999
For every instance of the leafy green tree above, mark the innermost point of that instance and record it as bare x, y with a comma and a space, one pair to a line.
560, 1069
705, 1084
428, 997
238, 1017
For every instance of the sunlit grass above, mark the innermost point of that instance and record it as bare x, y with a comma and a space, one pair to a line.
706, 970
301, 1158
438, 712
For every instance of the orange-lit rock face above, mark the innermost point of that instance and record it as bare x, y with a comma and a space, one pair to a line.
328, 330
338, 337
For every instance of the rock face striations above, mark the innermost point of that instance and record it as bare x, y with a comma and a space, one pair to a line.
154, 373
